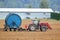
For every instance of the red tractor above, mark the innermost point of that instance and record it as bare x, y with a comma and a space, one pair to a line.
37, 25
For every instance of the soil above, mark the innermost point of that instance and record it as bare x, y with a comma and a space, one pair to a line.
53, 34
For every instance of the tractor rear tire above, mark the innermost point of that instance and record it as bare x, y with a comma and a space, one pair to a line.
43, 28
32, 27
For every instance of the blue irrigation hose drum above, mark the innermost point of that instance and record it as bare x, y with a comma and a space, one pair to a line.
13, 21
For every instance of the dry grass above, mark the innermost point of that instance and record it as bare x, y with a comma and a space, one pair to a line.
53, 34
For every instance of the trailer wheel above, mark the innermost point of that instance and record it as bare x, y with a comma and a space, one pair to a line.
15, 29
10, 29
6, 28
43, 28
32, 27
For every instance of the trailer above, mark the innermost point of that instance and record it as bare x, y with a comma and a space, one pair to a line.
12, 21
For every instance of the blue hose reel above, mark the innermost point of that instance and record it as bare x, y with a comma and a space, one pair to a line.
13, 21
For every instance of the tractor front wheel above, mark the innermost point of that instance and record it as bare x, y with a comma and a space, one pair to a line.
43, 28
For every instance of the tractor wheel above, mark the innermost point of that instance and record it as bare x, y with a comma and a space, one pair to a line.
43, 28
31, 28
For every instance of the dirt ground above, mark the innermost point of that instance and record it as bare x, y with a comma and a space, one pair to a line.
53, 34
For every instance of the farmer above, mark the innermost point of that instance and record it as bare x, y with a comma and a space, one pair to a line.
35, 21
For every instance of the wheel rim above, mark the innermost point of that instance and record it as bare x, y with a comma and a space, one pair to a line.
43, 28
32, 28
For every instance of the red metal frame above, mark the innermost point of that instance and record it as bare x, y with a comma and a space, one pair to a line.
46, 24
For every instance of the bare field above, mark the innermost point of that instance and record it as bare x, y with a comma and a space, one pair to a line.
53, 34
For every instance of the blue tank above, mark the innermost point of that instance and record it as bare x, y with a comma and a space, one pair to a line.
13, 21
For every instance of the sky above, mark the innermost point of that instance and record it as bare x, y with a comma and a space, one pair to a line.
54, 4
